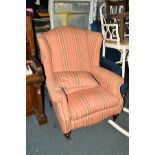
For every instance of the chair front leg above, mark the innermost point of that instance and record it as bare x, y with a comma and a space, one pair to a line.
68, 136
115, 117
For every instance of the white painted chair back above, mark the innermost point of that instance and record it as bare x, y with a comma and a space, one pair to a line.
116, 9
111, 37
109, 30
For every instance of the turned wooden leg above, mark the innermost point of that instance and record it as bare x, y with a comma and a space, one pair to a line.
68, 136
115, 117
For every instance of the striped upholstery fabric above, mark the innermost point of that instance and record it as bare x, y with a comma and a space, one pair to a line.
94, 44
69, 49
86, 102
95, 117
107, 80
70, 57
75, 81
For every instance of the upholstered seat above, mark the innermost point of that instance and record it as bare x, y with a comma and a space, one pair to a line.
82, 93
89, 101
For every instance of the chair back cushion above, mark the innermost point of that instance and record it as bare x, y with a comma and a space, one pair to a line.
69, 49
75, 81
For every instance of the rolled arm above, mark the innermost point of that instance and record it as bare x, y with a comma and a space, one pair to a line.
54, 90
108, 80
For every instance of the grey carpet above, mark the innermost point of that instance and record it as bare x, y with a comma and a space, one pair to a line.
99, 139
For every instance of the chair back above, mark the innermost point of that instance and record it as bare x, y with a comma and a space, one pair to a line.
115, 7
109, 30
70, 48
112, 27
118, 7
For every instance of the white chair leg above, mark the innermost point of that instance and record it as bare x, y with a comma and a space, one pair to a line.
103, 49
123, 62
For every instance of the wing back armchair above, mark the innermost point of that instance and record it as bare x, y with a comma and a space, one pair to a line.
82, 93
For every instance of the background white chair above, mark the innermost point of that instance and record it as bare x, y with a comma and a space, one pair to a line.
111, 34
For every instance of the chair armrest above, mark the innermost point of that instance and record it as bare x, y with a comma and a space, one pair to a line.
108, 80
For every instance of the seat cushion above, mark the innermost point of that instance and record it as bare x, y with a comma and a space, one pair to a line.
75, 80
89, 101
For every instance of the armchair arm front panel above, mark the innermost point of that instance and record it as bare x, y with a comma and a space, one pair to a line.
108, 80
60, 104
56, 93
